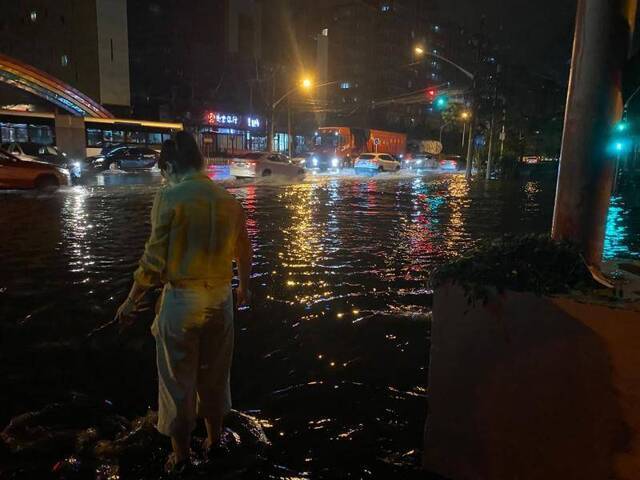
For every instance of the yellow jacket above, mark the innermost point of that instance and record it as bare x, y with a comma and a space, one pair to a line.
194, 230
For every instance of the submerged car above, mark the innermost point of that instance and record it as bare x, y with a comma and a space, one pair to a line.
16, 173
323, 162
125, 158
263, 164
450, 163
376, 162
44, 153
420, 161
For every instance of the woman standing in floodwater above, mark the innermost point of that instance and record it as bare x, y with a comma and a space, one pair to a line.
197, 230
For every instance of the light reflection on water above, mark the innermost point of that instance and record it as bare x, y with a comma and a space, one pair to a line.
333, 354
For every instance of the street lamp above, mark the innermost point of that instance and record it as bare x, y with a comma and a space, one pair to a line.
464, 116
306, 84
420, 51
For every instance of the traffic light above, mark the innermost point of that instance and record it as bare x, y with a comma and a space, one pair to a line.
621, 126
431, 94
621, 139
441, 102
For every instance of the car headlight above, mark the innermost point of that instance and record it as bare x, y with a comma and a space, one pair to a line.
334, 162
418, 162
77, 164
314, 161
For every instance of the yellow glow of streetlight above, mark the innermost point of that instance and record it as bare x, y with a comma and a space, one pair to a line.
465, 115
418, 50
306, 83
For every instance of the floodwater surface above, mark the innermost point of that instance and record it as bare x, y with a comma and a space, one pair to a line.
332, 356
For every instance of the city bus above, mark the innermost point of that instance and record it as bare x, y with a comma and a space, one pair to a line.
24, 127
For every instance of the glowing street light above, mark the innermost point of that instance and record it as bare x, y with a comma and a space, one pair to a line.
465, 115
306, 83
419, 51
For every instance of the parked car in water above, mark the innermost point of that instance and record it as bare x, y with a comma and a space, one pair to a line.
420, 161
323, 162
125, 158
18, 173
263, 164
301, 159
450, 162
44, 153
376, 162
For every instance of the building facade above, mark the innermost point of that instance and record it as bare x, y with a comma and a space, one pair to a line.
82, 42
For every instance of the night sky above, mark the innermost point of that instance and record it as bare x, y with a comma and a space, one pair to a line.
539, 31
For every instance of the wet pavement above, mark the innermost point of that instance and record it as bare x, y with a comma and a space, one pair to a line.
332, 356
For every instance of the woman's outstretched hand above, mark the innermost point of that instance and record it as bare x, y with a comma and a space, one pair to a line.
125, 312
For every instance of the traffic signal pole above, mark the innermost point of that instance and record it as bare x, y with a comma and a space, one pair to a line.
594, 104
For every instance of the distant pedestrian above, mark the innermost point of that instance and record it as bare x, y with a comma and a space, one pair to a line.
197, 230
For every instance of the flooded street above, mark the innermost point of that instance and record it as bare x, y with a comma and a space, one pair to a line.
332, 356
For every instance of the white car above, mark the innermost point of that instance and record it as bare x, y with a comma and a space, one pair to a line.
263, 164
376, 162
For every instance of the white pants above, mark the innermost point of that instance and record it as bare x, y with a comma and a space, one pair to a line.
194, 348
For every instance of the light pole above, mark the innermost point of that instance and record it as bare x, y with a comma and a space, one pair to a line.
441, 130
305, 84
421, 51
464, 116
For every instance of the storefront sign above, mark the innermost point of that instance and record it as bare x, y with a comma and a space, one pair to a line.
215, 118
233, 120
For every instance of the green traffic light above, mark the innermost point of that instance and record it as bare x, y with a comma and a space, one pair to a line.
621, 126
441, 102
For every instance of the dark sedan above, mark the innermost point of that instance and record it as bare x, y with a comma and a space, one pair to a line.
125, 158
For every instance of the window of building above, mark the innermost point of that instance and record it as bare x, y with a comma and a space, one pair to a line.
40, 134
94, 137
345, 85
33, 16
64, 60
155, 138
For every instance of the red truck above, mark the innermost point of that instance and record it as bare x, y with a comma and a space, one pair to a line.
337, 147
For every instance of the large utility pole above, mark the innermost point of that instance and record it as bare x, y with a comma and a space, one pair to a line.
603, 35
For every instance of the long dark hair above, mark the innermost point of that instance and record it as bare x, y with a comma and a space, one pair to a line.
182, 152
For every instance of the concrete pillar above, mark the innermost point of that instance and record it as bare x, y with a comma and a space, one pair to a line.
594, 104
70, 136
